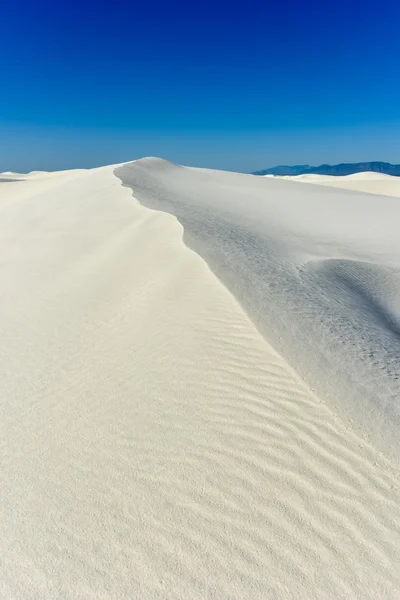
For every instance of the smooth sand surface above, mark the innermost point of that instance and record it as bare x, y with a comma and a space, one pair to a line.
154, 443
370, 182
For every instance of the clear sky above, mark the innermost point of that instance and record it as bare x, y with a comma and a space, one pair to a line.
233, 85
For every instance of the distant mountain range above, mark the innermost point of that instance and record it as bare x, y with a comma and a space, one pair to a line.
341, 169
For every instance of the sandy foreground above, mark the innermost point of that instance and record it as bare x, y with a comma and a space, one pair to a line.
199, 387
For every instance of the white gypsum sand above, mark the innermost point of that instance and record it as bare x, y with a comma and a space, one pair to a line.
316, 269
153, 443
369, 182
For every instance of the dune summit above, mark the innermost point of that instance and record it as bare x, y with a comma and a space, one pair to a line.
200, 387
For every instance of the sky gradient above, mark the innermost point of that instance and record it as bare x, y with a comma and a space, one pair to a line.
239, 86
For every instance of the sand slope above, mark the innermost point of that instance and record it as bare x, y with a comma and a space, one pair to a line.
153, 443
317, 270
370, 182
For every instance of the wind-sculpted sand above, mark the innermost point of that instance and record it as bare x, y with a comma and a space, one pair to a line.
274, 244
153, 442
369, 182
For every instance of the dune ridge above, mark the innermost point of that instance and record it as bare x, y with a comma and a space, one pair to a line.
258, 235
154, 444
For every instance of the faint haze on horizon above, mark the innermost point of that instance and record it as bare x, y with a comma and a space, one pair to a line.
221, 85
69, 149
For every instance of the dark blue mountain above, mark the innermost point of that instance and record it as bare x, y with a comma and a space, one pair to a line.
284, 170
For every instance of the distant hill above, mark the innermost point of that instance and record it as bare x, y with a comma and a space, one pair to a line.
341, 169
284, 170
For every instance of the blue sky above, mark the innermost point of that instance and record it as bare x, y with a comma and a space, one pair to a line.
230, 85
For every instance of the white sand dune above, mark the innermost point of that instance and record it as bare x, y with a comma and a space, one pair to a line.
11, 175
154, 444
370, 182
317, 270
